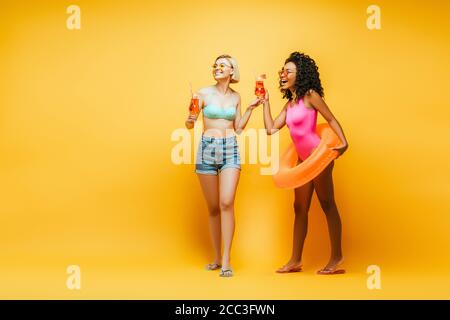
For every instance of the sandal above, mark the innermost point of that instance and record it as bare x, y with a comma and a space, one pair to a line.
226, 273
285, 269
326, 271
212, 266
329, 271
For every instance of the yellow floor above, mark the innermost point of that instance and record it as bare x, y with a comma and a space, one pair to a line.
175, 281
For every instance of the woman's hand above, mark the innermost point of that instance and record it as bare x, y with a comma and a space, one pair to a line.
341, 149
266, 97
255, 103
191, 119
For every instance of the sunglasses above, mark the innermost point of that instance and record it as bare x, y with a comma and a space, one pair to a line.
220, 66
285, 72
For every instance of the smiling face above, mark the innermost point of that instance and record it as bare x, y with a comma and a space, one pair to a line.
288, 76
222, 69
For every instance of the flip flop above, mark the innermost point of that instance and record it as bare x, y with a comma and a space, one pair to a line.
335, 270
291, 269
212, 266
326, 271
226, 273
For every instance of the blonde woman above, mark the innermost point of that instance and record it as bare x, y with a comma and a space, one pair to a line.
218, 161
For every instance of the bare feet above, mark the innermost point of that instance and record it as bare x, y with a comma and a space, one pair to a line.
291, 266
332, 267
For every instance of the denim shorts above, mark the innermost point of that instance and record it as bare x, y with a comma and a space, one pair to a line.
217, 154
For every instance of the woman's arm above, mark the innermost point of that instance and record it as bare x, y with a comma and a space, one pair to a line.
241, 121
272, 126
318, 103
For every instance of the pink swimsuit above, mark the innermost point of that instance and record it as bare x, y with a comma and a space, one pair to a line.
301, 122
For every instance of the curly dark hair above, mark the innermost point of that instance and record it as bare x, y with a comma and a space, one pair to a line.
307, 77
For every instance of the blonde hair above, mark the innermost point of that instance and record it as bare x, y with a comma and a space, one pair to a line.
236, 76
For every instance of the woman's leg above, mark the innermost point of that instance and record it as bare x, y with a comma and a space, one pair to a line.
210, 187
302, 203
228, 181
323, 185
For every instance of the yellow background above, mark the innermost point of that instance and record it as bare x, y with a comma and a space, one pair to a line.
86, 176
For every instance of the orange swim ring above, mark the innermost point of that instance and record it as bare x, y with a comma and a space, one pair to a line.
291, 176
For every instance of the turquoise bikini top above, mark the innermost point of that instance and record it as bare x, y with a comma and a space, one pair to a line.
215, 112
